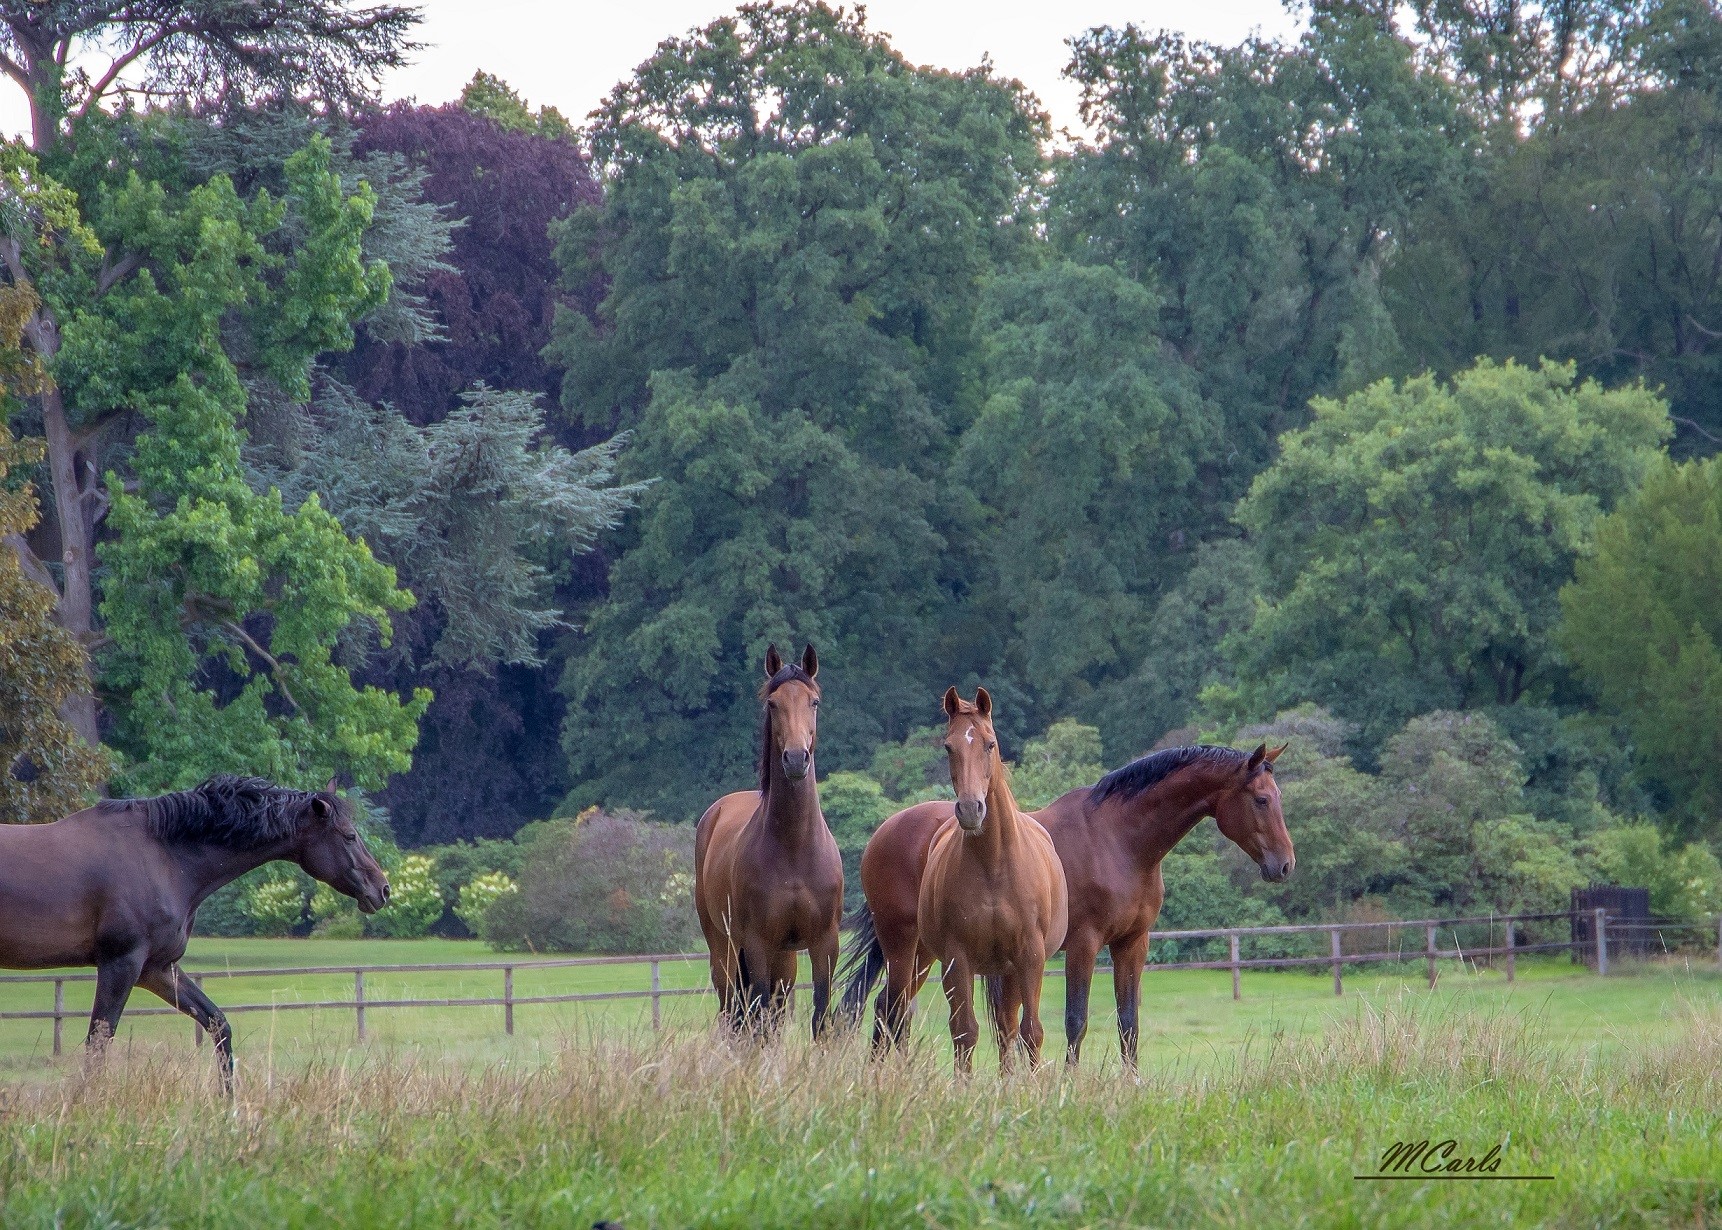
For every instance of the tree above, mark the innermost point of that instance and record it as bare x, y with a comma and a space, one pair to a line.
795, 225
202, 51
1257, 190
46, 771
1414, 537
1065, 758
1642, 622
1091, 455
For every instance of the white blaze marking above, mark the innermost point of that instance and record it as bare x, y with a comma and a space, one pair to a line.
969, 735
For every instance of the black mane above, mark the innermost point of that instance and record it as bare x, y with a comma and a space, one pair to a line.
1156, 767
786, 673
241, 813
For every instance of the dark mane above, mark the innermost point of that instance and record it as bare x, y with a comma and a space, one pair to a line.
1156, 767
784, 675
242, 813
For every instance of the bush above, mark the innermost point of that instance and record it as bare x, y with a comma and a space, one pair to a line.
1685, 881
414, 902
335, 916
606, 883
479, 894
1065, 758
275, 906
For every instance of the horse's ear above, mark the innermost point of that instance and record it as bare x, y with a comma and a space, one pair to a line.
773, 661
1274, 753
983, 702
1255, 761
332, 787
951, 701
320, 807
810, 662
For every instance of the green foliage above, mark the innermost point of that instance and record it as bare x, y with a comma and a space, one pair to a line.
46, 771
493, 98
275, 905
610, 883
335, 916
1643, 621
1684, 878
1065, 758
915, 769
788, 330
1093, 455
1414, 537
854, 805
415, 903
206, 578
477, 511
479, 894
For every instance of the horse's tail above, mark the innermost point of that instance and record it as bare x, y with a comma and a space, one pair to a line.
861, 965
995, 1001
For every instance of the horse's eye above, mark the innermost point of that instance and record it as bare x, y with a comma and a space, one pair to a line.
991, 745
1261, 800
816, 704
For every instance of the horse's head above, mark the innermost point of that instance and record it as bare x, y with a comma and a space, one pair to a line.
1247, 809
331, 850
791, 714
972, 746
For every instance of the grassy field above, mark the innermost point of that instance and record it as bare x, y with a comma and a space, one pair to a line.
1254, 1113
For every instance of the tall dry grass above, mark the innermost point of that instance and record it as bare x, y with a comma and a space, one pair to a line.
705, 1130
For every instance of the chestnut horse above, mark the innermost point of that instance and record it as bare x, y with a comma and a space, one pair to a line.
1110, 839
992, 900
117, 885
768, 880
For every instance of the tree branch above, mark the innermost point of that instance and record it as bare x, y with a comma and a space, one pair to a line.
1686, 422
116, 272
274, 666
124, 61
32, 567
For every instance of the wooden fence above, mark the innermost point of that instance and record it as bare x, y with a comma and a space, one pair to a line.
1516, 933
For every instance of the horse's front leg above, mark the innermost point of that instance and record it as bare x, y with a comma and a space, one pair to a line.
115, 979
1004, 998
174, 987
1033, 1032
823, 954
1079, 953
783, 965
965, 1029
1128, 957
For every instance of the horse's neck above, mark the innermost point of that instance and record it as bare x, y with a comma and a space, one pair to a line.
1161, 816
206, 868
1002, 828
791, 808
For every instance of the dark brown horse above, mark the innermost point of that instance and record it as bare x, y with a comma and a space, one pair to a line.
768, 880
992, 898
1110, 838
117, 885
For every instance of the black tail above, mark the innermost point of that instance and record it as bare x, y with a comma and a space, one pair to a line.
995, 1001
862, 966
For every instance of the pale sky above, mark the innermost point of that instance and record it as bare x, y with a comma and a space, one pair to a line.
569, 55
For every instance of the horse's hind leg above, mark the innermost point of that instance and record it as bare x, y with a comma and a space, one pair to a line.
115, 978
782, 989
174, 987
1079, 953
1033, 1032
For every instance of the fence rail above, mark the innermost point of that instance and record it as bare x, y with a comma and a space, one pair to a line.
1600, 930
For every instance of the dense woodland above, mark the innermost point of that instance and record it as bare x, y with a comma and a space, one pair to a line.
1361, 390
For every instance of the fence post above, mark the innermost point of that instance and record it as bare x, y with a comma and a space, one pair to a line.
1429, 948
508, 1000
359, 1000
1333, 935
1601, 941
59, 1009
196, 1029
1232, 937
657, 986
1512, 943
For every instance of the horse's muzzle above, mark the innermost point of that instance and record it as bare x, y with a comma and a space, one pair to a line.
795, 762
971, 814
371, 900
1277, 869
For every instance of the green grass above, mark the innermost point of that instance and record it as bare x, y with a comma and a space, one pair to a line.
1255, 1113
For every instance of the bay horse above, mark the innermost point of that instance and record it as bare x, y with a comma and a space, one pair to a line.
117, 885
768, 879
992, 901
1110, 839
